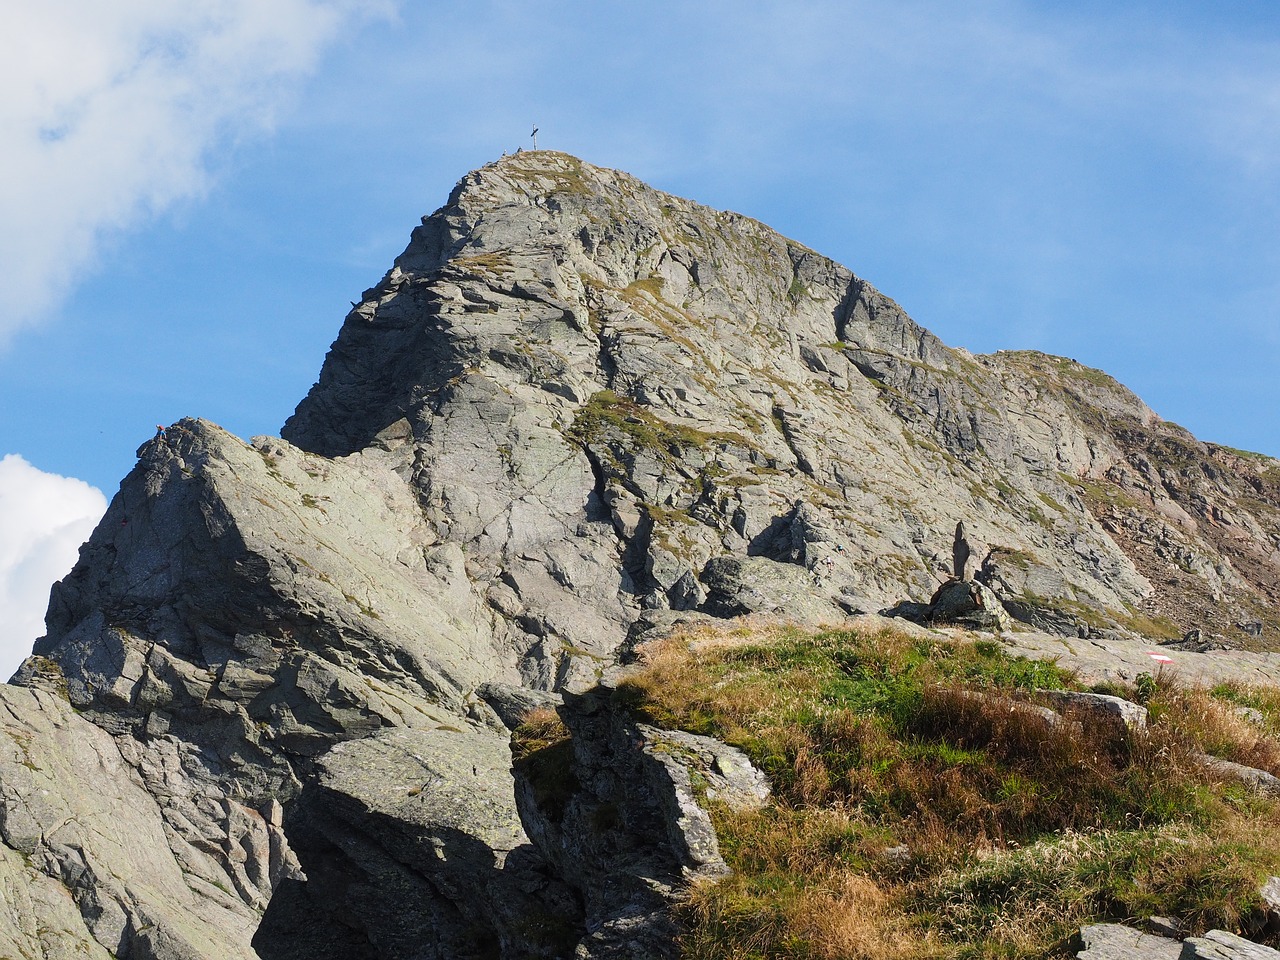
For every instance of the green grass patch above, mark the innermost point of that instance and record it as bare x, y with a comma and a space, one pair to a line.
1246, 454
652, 285
1062, 367
607, 416
923, 807
1013, 557
1265, 700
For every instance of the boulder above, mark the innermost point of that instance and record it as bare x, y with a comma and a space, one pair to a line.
619, 810
1220, 945
512, 704
1117, 710
1255, 779
1270, 894
1113, 941
969, 604
1165, 927
737, 586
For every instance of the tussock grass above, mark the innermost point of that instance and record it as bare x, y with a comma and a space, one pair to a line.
924, 806
1214, 717
542, 750
1265, 700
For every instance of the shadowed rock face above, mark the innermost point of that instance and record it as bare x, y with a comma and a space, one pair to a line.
573, 402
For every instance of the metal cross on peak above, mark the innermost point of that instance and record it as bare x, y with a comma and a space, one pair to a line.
535, 137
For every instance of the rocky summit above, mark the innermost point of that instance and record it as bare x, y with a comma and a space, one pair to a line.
271, 714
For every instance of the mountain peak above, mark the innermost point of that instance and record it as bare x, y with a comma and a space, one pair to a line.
575, 412
546, 283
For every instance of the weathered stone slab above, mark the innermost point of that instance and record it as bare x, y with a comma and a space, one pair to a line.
1220, 945
1251, 777
1114, 941
1131, 715
88, 863
1270, 894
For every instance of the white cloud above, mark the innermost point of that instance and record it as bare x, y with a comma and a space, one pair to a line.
43, 520
111, 110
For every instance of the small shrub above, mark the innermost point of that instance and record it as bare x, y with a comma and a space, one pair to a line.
1145, 687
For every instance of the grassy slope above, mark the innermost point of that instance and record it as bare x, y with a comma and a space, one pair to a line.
921, 811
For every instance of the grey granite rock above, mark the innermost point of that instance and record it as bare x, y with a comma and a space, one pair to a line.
619, 810
513, 704
429, 814
967, 604
729, 400
1115, 709
575, 410
1113, 941
1270, 895
88, 861
1220, 945
743, 585
1251, 777
722, 772
1119, 658
1165, 927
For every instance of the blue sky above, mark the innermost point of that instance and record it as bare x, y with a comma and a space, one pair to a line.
192, 197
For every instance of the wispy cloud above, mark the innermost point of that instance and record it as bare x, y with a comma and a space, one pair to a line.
111, 112
45, 518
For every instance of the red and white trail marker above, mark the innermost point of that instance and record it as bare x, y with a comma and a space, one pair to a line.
1159, 657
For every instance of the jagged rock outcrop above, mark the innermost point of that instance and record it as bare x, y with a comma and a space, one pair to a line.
616, 807
576, 408
412, 847
91, 865
721, 382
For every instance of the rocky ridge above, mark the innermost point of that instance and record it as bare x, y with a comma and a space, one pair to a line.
576, 410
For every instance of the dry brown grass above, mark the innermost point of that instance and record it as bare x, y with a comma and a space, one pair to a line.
1218, 727
540, 728
542, 752
923, 809
852, 917
802, 890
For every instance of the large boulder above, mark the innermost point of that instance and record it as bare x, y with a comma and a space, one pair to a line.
619, 808
967, 603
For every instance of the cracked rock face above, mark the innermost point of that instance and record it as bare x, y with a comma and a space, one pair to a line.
675, 384
90, 863
575, 408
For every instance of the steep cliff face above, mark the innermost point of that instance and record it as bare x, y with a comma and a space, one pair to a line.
593, 347
576, 408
